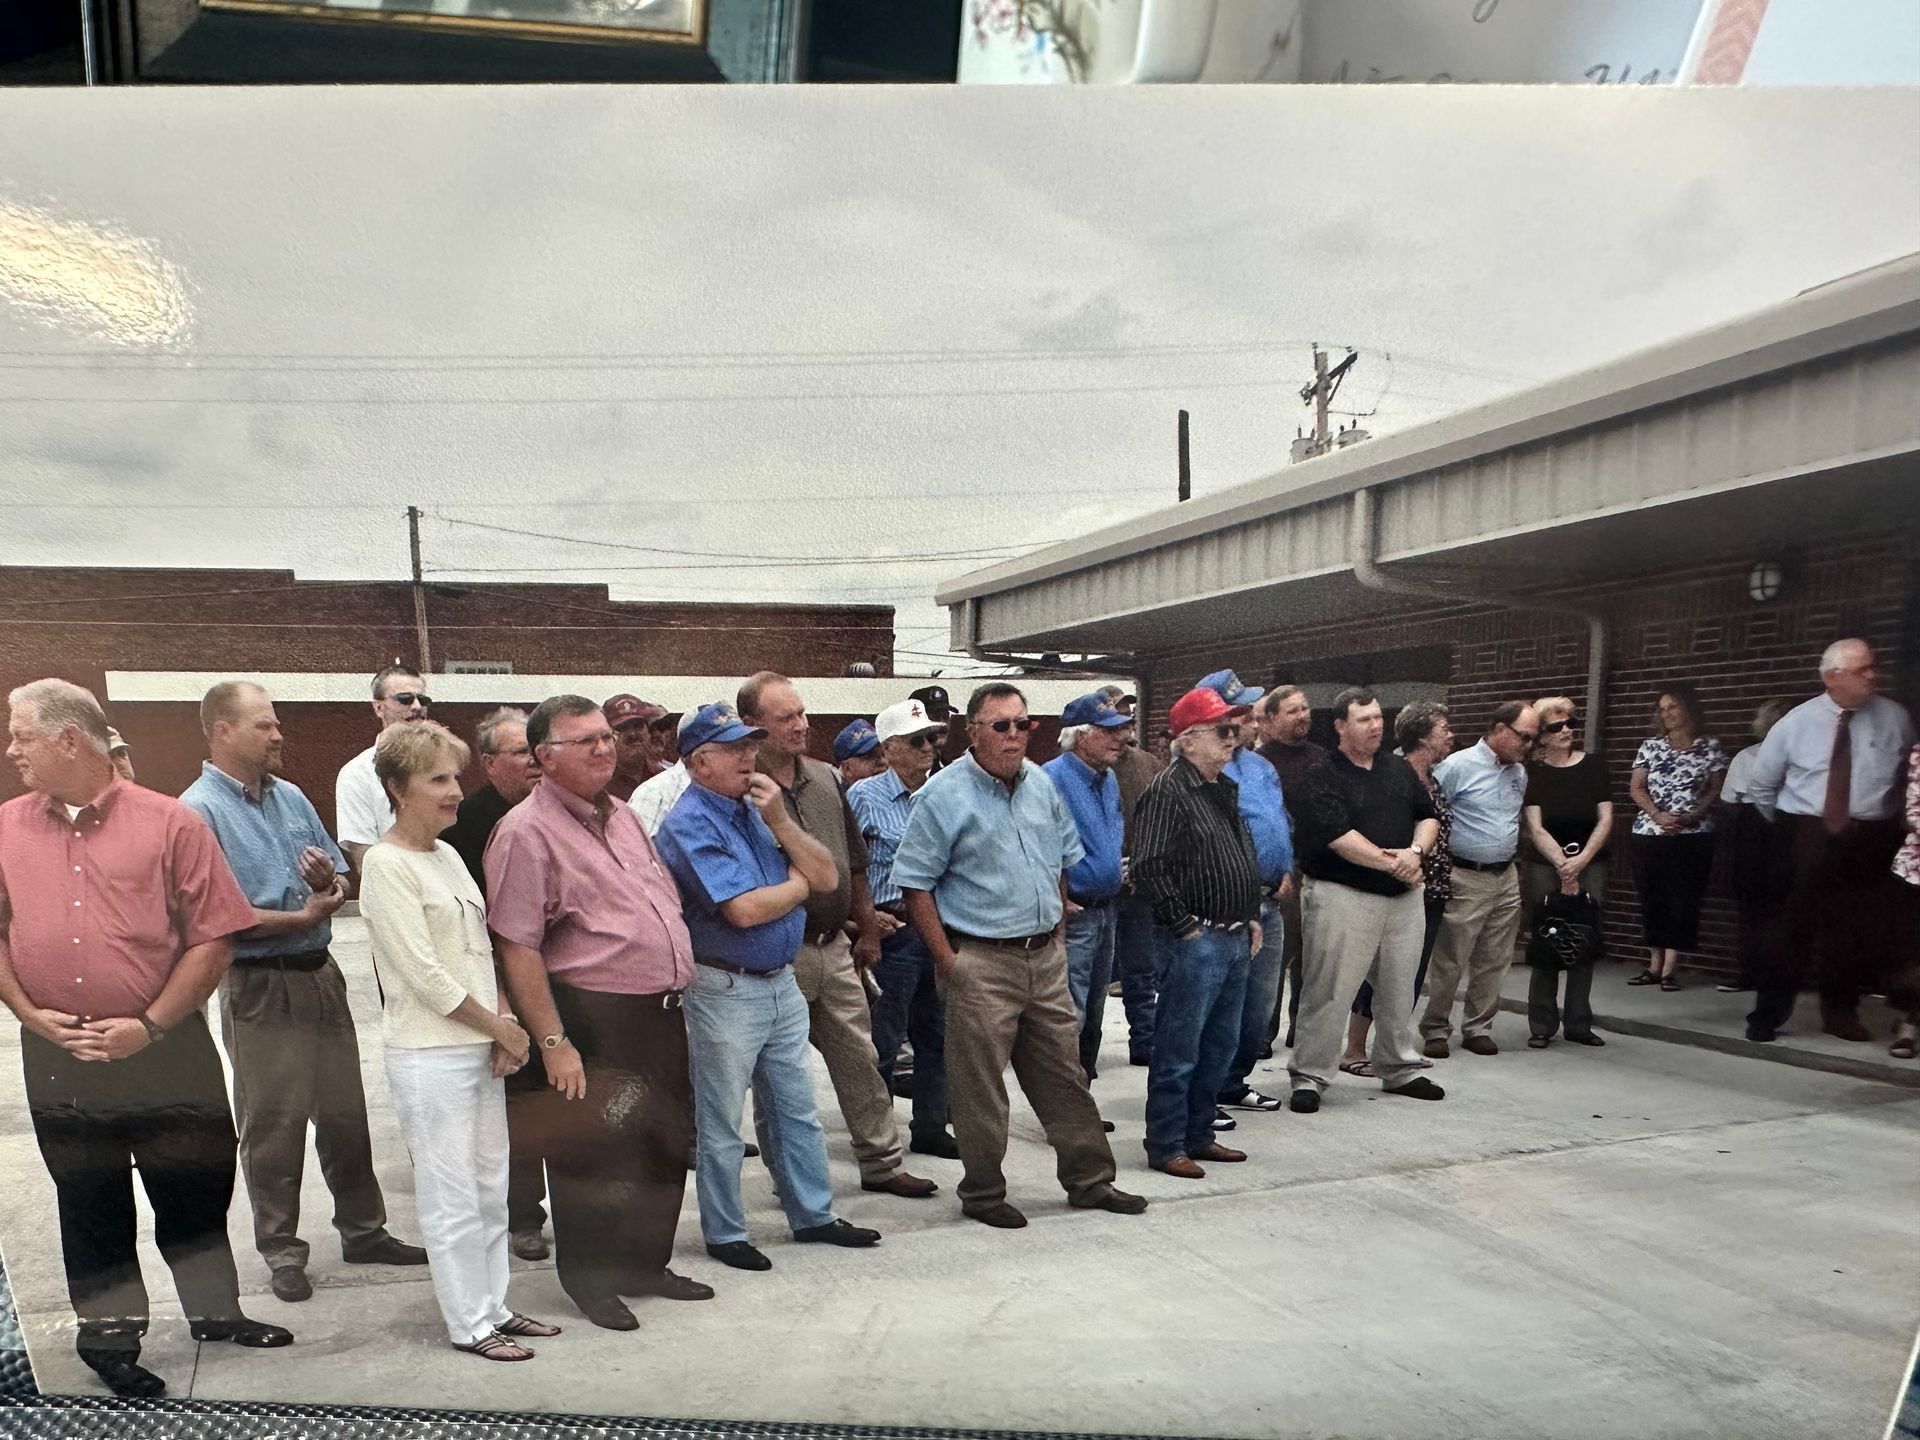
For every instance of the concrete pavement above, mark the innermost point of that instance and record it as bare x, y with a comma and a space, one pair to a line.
1649, 1239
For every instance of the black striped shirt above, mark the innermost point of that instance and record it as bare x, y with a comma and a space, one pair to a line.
1193, 858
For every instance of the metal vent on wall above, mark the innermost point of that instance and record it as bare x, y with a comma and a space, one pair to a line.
479, 667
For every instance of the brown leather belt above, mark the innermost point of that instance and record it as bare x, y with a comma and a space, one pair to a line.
1016, 942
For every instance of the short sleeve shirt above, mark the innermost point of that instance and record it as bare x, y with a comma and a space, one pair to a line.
361, 812
97, 908
262, 840
992, 856
817, 802
719, 849
1677, 780
579, 882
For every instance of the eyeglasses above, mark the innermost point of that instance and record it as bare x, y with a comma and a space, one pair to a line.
1554, 727
1531, 737
1227, 732
411, 697
605, 740
1001, 727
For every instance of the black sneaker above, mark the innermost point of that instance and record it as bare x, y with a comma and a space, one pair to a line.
837, 1232
1224, 1121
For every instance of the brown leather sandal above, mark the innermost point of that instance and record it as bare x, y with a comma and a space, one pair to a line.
525, 1325
496, 1346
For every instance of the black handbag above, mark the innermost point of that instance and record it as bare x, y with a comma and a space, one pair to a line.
1566, 932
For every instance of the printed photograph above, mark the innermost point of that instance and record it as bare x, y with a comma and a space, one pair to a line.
1230, 762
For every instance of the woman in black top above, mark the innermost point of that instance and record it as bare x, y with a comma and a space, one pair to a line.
1569, 817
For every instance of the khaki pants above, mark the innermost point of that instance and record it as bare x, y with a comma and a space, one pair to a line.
296, 1063
842, 1031
1353, 936
1476, 943
1012, 1005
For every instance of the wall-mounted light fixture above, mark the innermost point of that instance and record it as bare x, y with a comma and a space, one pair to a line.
1765, 580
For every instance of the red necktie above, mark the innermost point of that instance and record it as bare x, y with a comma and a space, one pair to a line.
1837, 813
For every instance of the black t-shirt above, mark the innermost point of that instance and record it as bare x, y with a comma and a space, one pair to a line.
1569, 797
1385, 804
1292, 762
473, 826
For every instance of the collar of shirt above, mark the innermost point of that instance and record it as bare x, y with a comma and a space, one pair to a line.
735, 812
887, 785
983, 775
1188, 774
1094, 780
590, 813
234, 783
101, 804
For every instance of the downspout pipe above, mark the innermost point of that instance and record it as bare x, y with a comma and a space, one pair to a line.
1364, 543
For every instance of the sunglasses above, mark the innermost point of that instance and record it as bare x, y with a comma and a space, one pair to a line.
1001, 727
1554, 727
411, 697
1227, 732
916, 742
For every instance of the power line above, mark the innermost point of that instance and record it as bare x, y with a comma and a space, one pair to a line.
719, 554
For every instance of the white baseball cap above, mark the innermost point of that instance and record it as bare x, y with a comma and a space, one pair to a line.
909, 717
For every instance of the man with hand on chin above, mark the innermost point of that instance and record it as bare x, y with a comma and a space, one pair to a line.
981, 868
117, 918
596, 958
746, 870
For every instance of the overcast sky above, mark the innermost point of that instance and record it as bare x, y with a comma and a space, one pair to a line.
250, 327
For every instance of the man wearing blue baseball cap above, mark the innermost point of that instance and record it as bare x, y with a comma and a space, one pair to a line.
1083, 774
856, 753
1264, 809
745, 869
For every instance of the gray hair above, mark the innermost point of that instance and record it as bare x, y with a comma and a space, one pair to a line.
1415, 724
1070, 736
56, 706
1768, 716
1834, 657
490, 723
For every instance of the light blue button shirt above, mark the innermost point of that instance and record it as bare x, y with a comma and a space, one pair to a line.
262, 840
880, 803
1486, 796
992, 857
1790, 772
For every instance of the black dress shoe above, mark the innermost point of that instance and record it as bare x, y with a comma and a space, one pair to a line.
1106, 1127
668, 1286
127, 1378
837, 1232
242, 1331
1760, 1033
386, 1251
1304, 1101
1145, 1057
740, 1255
1000, 1215
1418, 1088
942, 1146
1118, 1202
608, 1313
1586, 1039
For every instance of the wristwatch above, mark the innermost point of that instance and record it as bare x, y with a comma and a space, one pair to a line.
154, 1033
553, 1041
1415, 848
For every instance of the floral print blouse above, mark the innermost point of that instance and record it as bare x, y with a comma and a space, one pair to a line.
1906, 864
1677, 779
1437, 868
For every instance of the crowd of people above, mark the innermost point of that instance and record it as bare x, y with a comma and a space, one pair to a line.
587, 964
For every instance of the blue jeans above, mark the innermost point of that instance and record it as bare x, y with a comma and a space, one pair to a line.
1197, 1027
909, 1008
1090, 937
745, 1031
1264, 974
1133, 950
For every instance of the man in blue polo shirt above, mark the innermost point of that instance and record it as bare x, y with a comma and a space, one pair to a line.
981, 872
1263, 807
745, 869
856, 753
1083, 774
283, 1004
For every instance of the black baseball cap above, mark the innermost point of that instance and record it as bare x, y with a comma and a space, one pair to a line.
935, 699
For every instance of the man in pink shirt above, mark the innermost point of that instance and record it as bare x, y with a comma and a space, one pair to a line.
596, 957
117, 918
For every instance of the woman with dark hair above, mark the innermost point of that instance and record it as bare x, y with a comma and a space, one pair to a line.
1424, 738
1676, 781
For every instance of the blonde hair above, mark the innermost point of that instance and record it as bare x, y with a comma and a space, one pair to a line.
403, 751
1553, 707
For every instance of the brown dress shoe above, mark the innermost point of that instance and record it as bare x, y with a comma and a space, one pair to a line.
907, 1187
1180, 1167
1479, 1045
1219, 1154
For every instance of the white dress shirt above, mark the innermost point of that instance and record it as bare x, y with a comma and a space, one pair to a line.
652, 799
361, 814
1790, 774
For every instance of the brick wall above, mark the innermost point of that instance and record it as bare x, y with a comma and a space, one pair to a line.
1699, 625
79, 623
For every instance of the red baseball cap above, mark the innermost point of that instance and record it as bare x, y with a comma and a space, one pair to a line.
1200, 707
623, 710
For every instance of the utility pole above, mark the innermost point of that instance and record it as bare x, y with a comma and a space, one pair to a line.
1320, 395
419, 593
1186, 466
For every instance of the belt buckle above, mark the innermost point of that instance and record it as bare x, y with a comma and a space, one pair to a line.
672, 1000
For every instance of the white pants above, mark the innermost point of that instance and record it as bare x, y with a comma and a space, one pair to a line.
453, 1116
1351, 936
